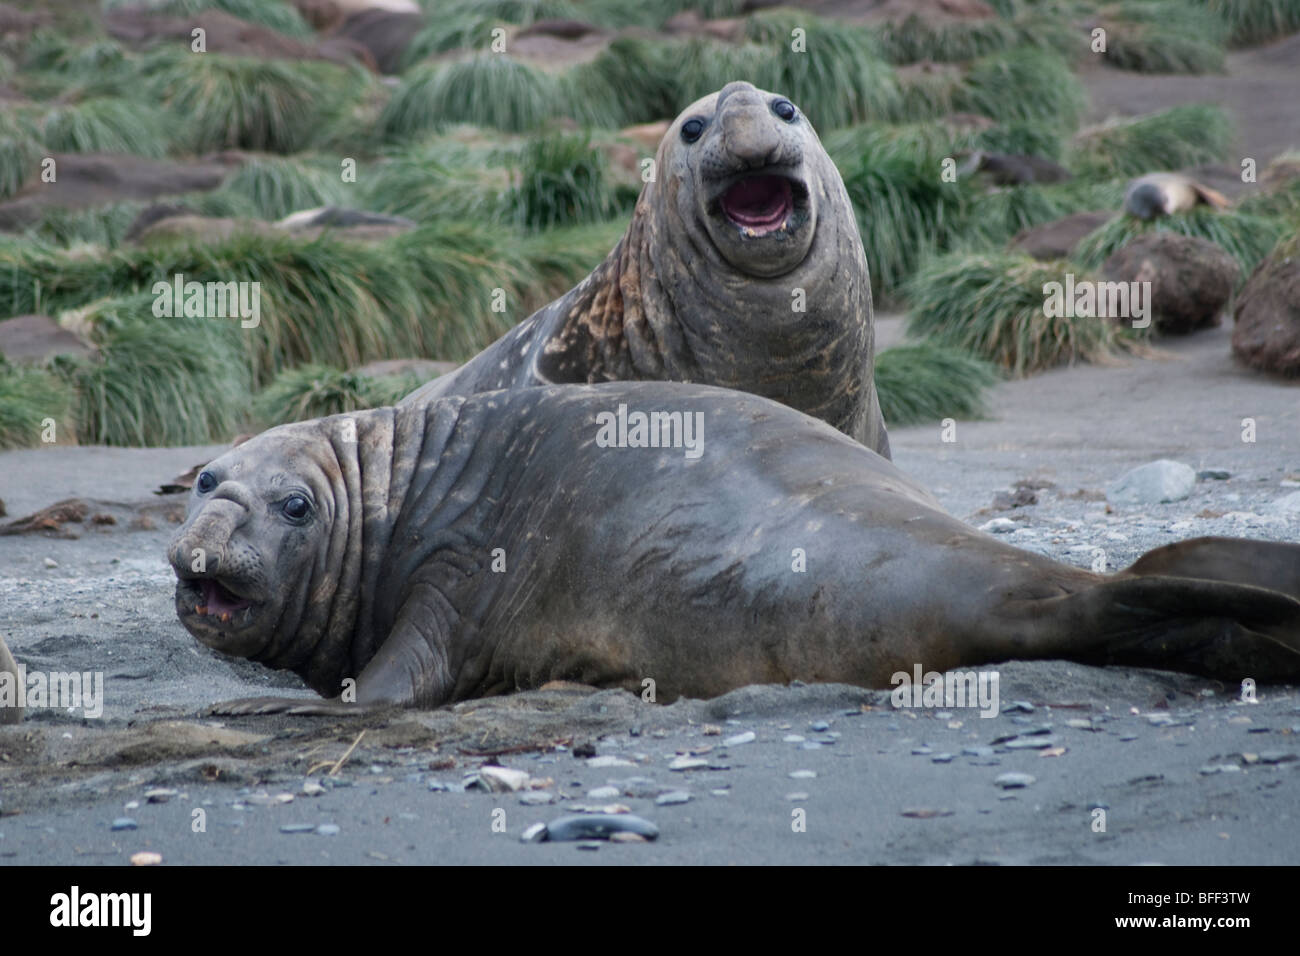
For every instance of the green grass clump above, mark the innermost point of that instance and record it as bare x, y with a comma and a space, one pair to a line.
916, 38
1023, 85
926, 382
1252, 22
427, 293
160, 381
314, 391
1158, 36
20, 155
992, 305
106, 125
277, 186
468, 24
1279, 194
1246, 237
441, 178
29, 396
490, 89
905, 210
1181, 136
244, 103
633, 80
559, 180
279, 15
837, 78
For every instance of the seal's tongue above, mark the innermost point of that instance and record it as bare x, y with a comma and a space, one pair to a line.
759, 204
217, 600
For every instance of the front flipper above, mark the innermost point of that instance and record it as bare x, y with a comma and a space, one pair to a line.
406, 671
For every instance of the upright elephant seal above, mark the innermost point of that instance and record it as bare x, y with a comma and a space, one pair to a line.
10, 676
699, 537
742, 267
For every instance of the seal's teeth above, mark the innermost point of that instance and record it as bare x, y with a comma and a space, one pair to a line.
201, 609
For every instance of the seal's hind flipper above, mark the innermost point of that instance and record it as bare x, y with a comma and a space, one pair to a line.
1214, 628
1267, 564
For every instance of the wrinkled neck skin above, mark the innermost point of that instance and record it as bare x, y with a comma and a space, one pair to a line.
414, 523
665, 305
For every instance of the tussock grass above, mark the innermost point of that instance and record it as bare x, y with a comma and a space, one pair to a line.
489, 89
559, 181
1246, 237
916, 38
904, 209
314, 391
20, 152
925, 382
428, 292
244, 103
106, 125
28, 396
1181, 136
440, 178
275, 187
159, 381
467, 24
992, 305
1024, 84
276, 14
547, 180
1159, 36
1251, 22
840, 76
633, 80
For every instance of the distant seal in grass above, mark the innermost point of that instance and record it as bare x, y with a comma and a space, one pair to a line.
1163, 194
742, 267
9, 713
481, 545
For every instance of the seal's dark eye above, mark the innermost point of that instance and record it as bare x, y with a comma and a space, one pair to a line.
784, 109
296, 507
206, 482
692, 129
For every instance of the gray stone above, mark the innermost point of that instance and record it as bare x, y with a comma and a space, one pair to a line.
1156, 482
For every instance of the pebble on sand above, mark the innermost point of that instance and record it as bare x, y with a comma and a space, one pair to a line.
1013, 781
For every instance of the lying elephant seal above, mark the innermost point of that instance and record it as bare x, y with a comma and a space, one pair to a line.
476, 546
742, 267
1163, 194
9, 714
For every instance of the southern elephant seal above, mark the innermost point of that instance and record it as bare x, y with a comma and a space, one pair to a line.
742, 267
478, 545
1163, 194
9, 713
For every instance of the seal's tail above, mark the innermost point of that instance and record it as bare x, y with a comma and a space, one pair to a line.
1221, 607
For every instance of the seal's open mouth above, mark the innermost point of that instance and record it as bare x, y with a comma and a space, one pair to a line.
209, 598
759, 204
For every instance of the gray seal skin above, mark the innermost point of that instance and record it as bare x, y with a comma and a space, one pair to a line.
702, 286
9, 715
363, 546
